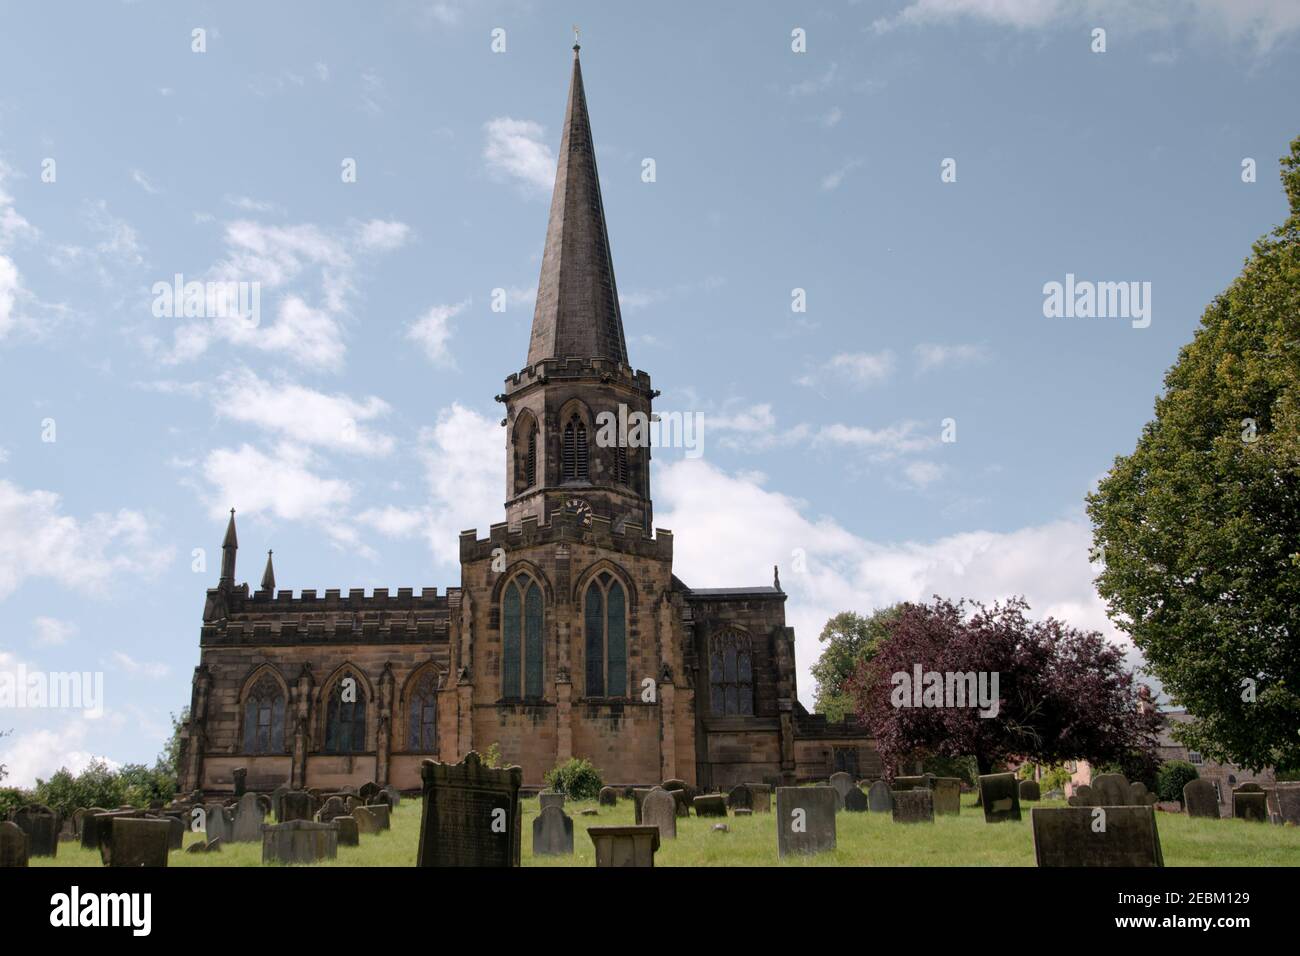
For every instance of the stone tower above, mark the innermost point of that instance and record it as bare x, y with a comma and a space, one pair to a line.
577, 375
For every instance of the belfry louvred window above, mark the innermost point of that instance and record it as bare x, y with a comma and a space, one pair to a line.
530, 462
264, 717
521, 639
573, 451
620, 464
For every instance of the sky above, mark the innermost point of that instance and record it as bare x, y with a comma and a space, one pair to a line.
840, 261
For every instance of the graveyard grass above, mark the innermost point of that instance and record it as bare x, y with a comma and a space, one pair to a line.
864, 839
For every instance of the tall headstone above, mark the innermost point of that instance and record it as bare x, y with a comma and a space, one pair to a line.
947, 795
1250, 805
240, 776
842, 782
625, 846
659, 809
1111, 790
349, 833
1096, 836
1200, 799
553, 832
470, 815
550, 799
1029, 791
299, 842
249, 817
879, 798
1000, 797
913, 806
135, 842
277, 802
638, 795
13, 846
219, 823
42, 828
805, 819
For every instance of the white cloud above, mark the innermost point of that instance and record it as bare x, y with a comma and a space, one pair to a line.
737, 544
922, 474
10, 287
884, 443
383, 235
433, 330
141, 180
51, 632
29, 755
303, 414
857, 368
281, 483
37, 540
832, 180
151, 670
930, 357
515, 149
394, 522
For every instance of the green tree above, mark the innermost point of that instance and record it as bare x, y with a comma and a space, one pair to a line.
1172, 776
850, 639
1198, 530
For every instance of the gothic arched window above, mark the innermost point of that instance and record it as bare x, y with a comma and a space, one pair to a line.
605, 619
525, 452
345, 717
574, 451
521, 638
731, 674
422, 714
264, 717
530, 461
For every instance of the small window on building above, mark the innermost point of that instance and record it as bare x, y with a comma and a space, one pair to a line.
1194, 757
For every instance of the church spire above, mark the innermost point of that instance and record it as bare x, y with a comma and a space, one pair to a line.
577, 311
228, 548
268, 576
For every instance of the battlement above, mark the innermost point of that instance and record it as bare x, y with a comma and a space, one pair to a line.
577, 369
333, 599
564, 527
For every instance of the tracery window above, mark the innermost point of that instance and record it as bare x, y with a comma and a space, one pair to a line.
422, 714
345, 716
264, 717
521, 638
605, 620
731, 674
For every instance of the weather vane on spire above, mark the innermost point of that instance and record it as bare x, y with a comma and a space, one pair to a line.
576, 35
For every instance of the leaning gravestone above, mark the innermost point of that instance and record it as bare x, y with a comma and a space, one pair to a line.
1250, 805
710, 805
842, 782
947, 795
1029, 791
294, 805
625, 846
135, 842
1000, 797
42, 828
608, 797
299, 841
855, 801
553, 832
550, 799
249, 818
1096, 836
659, 809
349, 833
13, 846
879, 798
470, 815
741, 797
913, 806
1200, 799
805, 819
1111, 790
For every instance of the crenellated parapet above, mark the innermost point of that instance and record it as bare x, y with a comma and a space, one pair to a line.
566, 528
553, 371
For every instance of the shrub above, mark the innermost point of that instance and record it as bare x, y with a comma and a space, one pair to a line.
11, 799
576, 778
1172, 776
492, 756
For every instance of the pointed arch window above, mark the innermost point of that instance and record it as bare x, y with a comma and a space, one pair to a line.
574, 451
264, 717
731, 674
521, 638
530, 460
605, 625
422, 714
345, 716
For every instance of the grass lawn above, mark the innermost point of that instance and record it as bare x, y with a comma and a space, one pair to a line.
865, 839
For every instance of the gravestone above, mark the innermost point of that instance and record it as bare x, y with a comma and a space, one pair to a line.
1250, 788
1000, 797
1250, 805
553, 832
368, 822
913, 806
879, 798
549, 799
762, 797
299, 842
625, 846
249, 818
742, 812
394, 795
947, 795
682, 801
805, 819
674, 784
42, 828
295, 805
381, 797
842, 782
277, 802
911, 783
13, 846
219, 823
608, 797
855, 801
212, 846
1137, 793
350, 803
1200, 799
241, 781
349, 833
135, 842
589, 812
710, 805
367, 791
1284, 803
741, 797
1111, 790
1082, 796
1096, 836
334, 807
638, 795
176, 836
1029, 791
470, 815
659, 809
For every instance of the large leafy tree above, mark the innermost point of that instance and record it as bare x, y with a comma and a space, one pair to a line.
850, 639
1063, 693
1199, 528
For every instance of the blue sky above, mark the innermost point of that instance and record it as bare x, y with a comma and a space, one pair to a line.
354, 427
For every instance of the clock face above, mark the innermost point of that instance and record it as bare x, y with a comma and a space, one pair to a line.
579, 507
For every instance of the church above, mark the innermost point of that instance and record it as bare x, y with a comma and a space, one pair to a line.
569, 634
